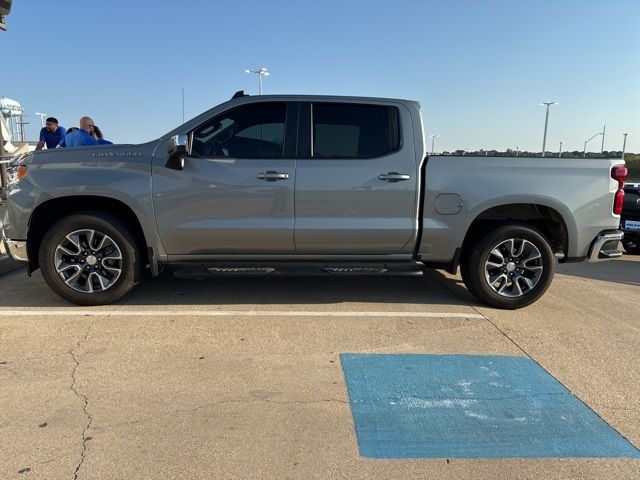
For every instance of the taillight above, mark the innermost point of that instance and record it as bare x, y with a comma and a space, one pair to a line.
619, 174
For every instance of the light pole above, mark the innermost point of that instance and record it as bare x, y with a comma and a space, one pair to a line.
517, 151
433, 141
546, 122
604, 127
42, 117
624, 144
560, 152
584, 153
262, 72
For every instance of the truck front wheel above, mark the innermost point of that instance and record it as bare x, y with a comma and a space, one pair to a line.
89, 258
509, 267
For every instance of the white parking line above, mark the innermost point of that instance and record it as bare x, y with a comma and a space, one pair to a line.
79, 312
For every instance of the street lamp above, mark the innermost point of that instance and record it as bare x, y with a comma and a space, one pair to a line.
546, 121
624, 144
560, 152
584, 153
262, 72
42, 117
433, 140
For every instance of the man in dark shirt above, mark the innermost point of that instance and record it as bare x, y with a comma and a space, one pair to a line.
51, 134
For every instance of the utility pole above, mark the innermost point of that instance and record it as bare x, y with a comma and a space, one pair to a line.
3, 166
584, 153
433, 140
560, 152
602, 146
624, 144
22, 123
517, 151
546, 122
262, 72
42, 117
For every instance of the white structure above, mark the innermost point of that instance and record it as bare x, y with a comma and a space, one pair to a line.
11, 111
12, 126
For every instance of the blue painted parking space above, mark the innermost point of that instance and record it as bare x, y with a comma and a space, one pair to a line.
470, 406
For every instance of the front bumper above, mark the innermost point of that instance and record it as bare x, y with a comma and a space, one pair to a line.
606, 246
17, 249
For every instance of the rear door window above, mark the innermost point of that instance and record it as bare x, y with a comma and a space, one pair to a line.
353, 131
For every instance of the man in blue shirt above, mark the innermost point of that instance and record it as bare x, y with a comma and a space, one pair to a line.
51, 135
81, 137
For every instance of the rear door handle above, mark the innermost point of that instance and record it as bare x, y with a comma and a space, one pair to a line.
271, 176
394, 177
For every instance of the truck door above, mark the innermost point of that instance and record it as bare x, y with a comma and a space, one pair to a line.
235, 193
357, 189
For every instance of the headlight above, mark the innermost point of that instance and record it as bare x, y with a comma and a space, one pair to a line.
17, 168
15, 173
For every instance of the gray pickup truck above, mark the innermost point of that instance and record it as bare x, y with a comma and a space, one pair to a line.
288, 184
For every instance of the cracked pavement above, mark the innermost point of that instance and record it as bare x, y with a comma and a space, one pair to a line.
178, 397
85, 438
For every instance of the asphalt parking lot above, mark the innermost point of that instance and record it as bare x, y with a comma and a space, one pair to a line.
243, 378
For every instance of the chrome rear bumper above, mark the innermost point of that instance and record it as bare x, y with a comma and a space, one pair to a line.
606, 246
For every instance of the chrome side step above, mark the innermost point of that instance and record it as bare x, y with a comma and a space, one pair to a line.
199, 270
243, 270
346, 270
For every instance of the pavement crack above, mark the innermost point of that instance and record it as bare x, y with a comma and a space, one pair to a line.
74, 389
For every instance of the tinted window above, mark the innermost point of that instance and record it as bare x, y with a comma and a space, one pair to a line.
353, 131
251, 131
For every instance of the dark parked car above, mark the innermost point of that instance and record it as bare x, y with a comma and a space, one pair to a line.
630, 219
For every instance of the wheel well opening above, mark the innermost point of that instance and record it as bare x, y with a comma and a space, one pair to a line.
53, 210
544, 218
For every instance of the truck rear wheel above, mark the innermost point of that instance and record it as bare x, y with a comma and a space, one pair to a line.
89, 258
509, 267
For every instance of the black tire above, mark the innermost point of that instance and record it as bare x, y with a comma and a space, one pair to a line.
631, 245
477, 253
130, 264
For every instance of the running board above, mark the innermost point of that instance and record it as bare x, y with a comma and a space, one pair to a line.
186, 270
354, 270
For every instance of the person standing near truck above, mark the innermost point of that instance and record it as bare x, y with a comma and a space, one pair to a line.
97, 134
51, 134
83, 136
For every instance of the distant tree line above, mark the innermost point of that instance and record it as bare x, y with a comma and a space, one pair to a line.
513, 153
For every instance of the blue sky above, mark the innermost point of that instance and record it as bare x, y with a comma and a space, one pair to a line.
479, 68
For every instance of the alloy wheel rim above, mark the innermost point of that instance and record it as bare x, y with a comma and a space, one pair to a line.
88, 261
513, 267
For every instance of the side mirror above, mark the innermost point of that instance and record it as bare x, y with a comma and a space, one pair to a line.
176, 151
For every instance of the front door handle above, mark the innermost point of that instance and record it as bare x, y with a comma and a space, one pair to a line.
394, 177
271, 176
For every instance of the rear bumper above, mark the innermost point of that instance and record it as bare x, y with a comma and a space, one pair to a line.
17, 249
606, 246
